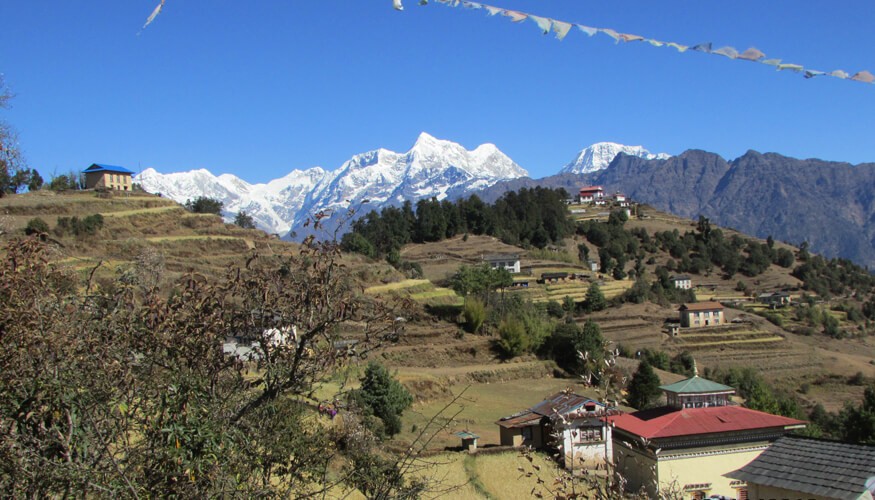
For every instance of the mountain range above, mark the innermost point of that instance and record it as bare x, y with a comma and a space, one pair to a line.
371, 180
830, 205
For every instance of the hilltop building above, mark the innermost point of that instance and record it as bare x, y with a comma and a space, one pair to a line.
573, 424
591, 194
701, 314
691, 443
108, 177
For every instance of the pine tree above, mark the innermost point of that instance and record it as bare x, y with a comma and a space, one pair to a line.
643, 389
384, 396
595, 299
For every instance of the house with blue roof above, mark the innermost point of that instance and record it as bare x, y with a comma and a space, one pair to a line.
108, 177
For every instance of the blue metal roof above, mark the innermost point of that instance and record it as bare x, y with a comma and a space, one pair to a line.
99, 167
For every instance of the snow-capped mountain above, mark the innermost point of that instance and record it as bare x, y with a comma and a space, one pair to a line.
432, 167
601, 154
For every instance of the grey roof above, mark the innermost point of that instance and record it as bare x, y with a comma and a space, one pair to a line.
501, 256
813, 466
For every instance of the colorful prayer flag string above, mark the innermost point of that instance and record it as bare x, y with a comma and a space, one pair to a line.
561, 29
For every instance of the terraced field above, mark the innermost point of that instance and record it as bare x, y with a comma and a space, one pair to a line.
420, 290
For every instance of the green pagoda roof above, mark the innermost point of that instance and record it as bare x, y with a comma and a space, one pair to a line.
696, 385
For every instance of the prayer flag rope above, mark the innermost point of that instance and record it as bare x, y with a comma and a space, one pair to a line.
562, 28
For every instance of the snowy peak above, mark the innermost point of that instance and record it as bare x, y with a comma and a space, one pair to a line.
431, 168
601, 154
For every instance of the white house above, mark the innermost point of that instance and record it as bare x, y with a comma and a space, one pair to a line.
682, 281
590, 194
508, 261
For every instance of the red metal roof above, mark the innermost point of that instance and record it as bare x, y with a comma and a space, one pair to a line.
669, 422
591, 189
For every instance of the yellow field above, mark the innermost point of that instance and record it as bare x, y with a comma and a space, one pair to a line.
399, 285
497, 476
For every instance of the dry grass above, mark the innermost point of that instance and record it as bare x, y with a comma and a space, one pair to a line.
720, 343
400, 285
141, 211
501, 477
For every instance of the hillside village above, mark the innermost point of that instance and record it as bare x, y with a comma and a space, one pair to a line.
518, 380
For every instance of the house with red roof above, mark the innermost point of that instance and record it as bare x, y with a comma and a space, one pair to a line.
701, 314
688, 446
591, 194
572, 424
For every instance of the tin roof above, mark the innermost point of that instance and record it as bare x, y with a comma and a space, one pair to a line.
696, 385
99, 167
666, 422
561, 403
814, 467
701, 306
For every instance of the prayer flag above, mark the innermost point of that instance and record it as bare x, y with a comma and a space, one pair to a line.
679, 47
702, 47
792, 67
493, 10
863, 76
729, 52
515, 16
586, 29
561, 29
397, 5
545, 24
839, 74
611, 33
155, 14
751, 54
811, 73
630, 38
655, 43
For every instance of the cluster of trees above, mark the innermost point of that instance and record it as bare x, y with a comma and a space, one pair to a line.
74, 226
86, 226
661, 291
125, 391
831, 277
12, 182
530, 217
204, 205
853, 423
694, 252
758, 394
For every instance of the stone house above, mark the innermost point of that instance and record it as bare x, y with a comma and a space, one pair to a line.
701, 314
108, 177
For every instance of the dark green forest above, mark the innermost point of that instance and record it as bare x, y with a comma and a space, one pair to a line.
530, 218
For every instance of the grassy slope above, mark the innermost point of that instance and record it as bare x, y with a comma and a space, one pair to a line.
431, 357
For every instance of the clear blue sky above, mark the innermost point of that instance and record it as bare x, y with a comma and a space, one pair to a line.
258, 88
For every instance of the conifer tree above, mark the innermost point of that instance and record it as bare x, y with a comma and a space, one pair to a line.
643, 389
